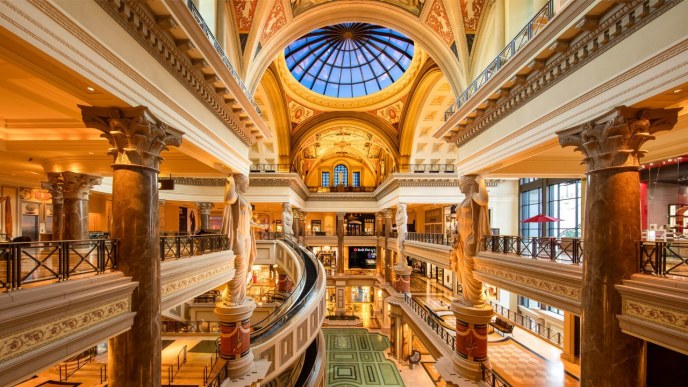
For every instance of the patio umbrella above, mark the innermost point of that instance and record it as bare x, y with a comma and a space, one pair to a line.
540, 218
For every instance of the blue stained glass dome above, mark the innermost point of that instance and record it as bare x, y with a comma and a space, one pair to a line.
350, 59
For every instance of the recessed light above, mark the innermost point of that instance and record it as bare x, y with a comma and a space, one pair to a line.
91, 153
90, 89
678, 91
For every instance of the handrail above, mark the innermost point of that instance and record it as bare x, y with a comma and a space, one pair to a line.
663, 258
221, 52
103, 373
91, 354
553, 249
220, 377
438, 239
527, 323
534, 26
171, 373
340, 188
492, 378
310, 276
271, 168
435, 324
207, 370
175, 247
190, 327
29, 262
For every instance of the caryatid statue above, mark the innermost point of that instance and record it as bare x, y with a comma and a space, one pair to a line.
287, 219
472, 226
236, 225
401, 219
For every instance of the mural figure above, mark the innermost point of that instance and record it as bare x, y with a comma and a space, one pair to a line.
472, 226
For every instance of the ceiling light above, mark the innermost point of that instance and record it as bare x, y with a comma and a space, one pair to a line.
677, 91
91, 153
90, 89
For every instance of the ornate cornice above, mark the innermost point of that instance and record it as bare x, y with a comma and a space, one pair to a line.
138, 21
667, 317
200, 181
572, 293
171, 287
592, 43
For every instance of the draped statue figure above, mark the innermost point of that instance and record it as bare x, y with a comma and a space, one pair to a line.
401, 219
287, 219
236, 224
472, 226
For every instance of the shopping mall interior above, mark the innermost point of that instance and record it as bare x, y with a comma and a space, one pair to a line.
343, 193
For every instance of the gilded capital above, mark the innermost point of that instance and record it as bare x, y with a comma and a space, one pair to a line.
77, 185
55, 186
613, 140
204, 207
136, 136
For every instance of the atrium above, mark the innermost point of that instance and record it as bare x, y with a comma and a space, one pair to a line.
343, 193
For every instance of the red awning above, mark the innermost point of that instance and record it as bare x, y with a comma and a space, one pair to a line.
541, 219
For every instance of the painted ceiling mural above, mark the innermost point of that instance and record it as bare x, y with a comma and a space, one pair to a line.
342, 141
275, 22
391, 113
438, 20
471, 10
298, 113
244, 11
413, 6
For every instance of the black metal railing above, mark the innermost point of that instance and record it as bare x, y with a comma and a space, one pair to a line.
554, 249
76, 363
663, 258
428, 168
220, 377
437, 239
340, 188
534, 26
28, 262
359, 233
552, 335
221, 52
174, 368
103, 373
210, 297
272, 168
208, 369
169, 326
433, 321
175, 247
492, 378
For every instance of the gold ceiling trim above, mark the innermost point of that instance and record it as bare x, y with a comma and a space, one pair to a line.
380, 99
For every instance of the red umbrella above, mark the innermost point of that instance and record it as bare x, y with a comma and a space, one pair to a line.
540, 218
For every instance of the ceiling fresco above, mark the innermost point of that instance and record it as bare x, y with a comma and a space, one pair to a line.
413, 6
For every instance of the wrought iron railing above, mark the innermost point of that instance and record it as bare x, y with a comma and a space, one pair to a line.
492, 378
427, 168
534, 26
438, 239
208, 369
554, 249
552, 335
272, 168
359, 233
175, 247
190, 326
340, 188
433, 322
220, 377
76, 363
174, 368
663, 258
221, 52
28, 262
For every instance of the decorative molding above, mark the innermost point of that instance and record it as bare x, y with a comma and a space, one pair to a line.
183, 283
141, 24
589, 46
59, 329
667, 317
200, 181
546, 285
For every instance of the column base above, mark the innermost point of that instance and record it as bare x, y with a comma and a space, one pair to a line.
466, 368
471, 338
235, 329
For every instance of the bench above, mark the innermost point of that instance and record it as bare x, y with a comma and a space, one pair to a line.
503, 325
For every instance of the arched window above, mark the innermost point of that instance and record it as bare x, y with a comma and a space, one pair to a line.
341, 175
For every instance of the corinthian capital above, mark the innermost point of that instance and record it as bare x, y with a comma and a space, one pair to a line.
613, 140
136, 136
77, 185
55, 186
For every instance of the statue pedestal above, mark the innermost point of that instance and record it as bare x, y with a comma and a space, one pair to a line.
402, 284
235, 336
471, 338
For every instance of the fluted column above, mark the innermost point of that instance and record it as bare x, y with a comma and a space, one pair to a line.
611, 145
137, 140
55, 186
76, 190
340, 242
204, 208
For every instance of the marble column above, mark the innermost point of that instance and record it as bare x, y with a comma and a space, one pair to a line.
389, 215
611, 145
340, 296
76, 187
55, 186
302, 225
340, 242
137, 139
295, 223
204, 208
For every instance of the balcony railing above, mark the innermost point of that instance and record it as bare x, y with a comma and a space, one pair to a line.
359, 233
492, 378
534, 26
428, 168
663, 258
552, 335
221, 52
175, 247
28, 262
340, 188
193, 327
555, 249
272, 168
438, 239
433, 322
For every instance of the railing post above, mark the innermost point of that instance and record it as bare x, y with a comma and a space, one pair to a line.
178, 246
661, 258
552, 249
64, 248
101, 255
534, 248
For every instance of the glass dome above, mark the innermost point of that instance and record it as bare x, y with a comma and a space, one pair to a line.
350, 59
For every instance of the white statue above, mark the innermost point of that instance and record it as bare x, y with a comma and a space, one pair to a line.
472, 226
402, 221
287, 219
236, 225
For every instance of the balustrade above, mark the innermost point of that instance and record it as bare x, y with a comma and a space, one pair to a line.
271, 168
176, 247
554, 249
526, 322
433, 322
492, 378
438, 239
427, 168
663, 257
